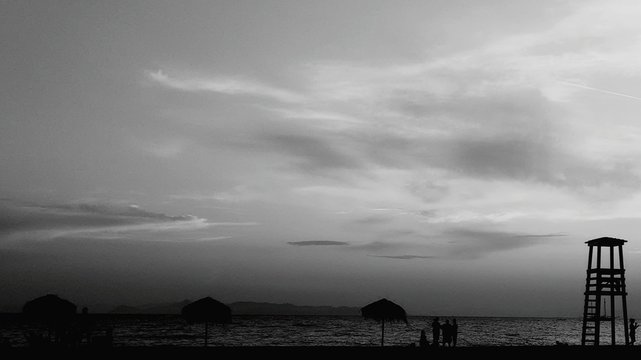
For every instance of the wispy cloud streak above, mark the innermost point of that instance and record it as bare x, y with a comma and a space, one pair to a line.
317, 243
223, 85
96, 220
603, 91
403, 257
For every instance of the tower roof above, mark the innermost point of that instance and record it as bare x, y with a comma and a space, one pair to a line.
606, 241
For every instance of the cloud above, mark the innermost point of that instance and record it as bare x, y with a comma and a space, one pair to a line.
234, 195
215, 238
542, 235
403, 257
312, 153
454, 243
376, 246
126, 212
490, 112
61, 216
513, 132
451, 136
223, 85
164, 150
373, 220
322, 119
528, 155
604, 91
94, 220
317, 243
472, 243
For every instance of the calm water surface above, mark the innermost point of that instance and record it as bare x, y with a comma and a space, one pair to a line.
249, 330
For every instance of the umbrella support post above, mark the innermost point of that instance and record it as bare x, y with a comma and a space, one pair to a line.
382, 332
206, 328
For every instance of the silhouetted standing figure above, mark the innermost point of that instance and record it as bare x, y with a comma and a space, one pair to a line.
86, 326
454, 332
436, 331
447, 333
423, 340
633, 331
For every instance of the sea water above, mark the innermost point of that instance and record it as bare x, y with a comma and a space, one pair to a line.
252, 330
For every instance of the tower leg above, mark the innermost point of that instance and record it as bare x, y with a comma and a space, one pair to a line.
599, 284
586, 303
624, 293
612, 289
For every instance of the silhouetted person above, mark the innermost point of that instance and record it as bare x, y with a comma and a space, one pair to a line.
447, 333
436, 331
423, 340
454, 332
633, 331
85, 326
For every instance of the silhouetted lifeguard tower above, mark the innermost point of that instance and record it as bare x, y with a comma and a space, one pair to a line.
603, 281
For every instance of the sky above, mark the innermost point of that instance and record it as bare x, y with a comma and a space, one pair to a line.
451, 156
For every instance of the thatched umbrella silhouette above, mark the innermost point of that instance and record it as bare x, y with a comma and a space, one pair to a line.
51, 310
384, 310
207, 310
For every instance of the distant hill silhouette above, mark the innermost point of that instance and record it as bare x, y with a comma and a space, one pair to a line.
241, 308
164, 308
256, 308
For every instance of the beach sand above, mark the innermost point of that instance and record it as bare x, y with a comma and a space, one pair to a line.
328, 352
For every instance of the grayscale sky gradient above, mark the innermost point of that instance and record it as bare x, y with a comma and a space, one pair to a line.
452, 156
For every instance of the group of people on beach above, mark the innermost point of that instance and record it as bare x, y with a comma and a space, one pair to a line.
447, 329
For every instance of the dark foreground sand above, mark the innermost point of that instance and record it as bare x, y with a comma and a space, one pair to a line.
329, 353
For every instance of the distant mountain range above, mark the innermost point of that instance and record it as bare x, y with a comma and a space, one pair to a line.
254, 308
164, 308
242, 308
